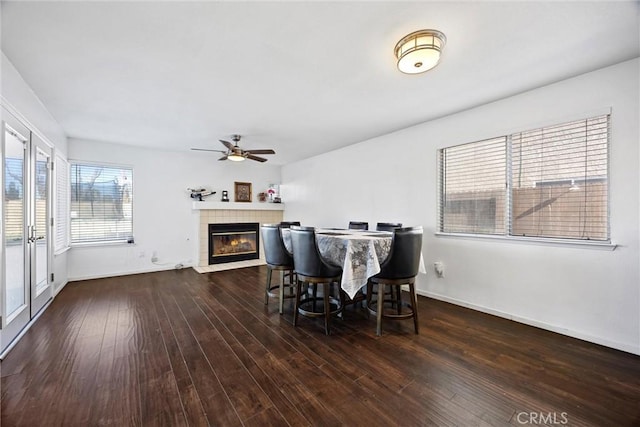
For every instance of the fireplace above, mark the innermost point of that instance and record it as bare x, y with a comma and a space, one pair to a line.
234, 242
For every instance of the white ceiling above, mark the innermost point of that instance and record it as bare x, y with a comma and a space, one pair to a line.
300, 77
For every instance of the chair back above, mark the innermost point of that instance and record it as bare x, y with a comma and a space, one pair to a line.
388, 226
306, 255
403, 261
275, 252
357, 225
287, 224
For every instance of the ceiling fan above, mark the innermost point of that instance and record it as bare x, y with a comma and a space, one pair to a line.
236, 153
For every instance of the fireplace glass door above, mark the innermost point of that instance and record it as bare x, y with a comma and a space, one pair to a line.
233, 242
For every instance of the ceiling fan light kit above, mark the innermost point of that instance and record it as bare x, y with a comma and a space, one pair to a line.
235, 157
419, 51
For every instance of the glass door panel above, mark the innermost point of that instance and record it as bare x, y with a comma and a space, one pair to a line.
14, 226
40, 242
15, 278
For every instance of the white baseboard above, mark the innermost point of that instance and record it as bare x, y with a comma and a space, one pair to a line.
206, 269
124, 273
57, 291
536, 323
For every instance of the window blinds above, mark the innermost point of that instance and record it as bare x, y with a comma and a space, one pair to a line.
61, 229
101, 203
548, 182
559, 181
473, 187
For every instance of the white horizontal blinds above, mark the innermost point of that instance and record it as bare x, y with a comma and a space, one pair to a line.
472, 179
559, 181
101, 203
62, 204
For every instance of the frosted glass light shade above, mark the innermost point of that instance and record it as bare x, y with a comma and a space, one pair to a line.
419, 51
235, 157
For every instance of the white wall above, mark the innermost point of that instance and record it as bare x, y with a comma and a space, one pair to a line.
163, 219
18, 98
586, 293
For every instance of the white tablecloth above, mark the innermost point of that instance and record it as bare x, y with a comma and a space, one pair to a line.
358, 252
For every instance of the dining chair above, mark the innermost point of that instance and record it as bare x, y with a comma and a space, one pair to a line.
400, 268
357, 225
289, 223
388, 226
312, 270
279, 259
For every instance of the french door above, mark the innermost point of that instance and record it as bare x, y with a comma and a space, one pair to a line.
26, 187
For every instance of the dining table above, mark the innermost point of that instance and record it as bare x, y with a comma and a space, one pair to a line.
359, 252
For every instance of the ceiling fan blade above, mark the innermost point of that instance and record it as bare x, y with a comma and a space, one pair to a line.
223, 157
266, 151
227, 144
252, 157
206, 149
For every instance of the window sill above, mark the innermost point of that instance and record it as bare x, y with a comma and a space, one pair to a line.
567, 243
61, 251
98, 244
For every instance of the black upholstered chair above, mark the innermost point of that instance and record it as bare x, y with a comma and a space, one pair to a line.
278, 258
357, 225
400, 268
288, 224
388, 226
311, 269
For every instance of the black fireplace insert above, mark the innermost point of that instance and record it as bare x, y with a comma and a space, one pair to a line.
232, 242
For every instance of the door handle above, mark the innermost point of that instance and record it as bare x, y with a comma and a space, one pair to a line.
32, 235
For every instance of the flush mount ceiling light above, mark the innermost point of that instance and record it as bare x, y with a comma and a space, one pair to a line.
419, 51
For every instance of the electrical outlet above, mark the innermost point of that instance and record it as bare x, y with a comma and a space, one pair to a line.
438, 266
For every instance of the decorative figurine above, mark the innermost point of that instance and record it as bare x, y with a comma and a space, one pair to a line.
199, 193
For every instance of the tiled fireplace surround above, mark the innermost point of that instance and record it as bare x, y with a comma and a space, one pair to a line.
218, 212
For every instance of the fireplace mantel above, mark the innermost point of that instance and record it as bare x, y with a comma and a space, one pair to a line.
234, 206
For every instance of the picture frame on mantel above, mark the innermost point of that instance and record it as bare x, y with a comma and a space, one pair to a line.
242, 192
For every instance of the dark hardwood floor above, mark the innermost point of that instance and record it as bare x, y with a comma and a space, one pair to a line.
179, 348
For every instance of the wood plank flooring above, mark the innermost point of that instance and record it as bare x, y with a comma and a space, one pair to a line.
179, 348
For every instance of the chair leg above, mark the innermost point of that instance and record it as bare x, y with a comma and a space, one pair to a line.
281, 302
266, 291
368, 300
380, 308
398, 290
327, 308
414, 305
297, 304
291, 273
315, 296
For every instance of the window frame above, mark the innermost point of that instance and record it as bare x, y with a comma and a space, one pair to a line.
62, 205
507, 236
100, 242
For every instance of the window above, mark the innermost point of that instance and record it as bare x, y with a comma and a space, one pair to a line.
101, 203
549, 182
62, 205
472, 178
